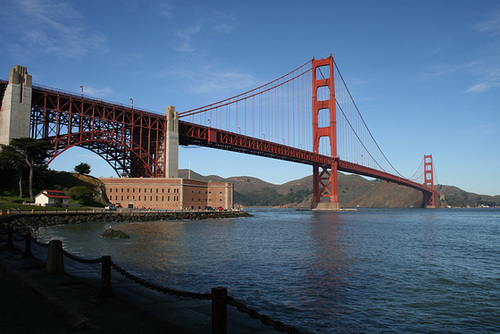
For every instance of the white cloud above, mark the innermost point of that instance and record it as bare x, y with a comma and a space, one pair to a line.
490, 25
486, 129
185, 36
490, 79
223, 82
210, 80
485, 67
166, 10
199, 22
97, 92
53, 27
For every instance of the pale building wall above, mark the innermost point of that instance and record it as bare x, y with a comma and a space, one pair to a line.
220, 195
144, 193
166, 193
41, 200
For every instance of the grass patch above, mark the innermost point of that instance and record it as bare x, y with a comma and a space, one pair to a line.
14, 203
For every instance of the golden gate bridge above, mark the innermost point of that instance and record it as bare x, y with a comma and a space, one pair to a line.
306, 116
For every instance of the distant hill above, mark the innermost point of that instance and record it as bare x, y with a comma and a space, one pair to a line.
354, 191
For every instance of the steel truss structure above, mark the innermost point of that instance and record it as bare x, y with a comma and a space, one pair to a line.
131, 141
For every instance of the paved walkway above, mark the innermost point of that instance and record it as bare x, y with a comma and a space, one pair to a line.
36, 302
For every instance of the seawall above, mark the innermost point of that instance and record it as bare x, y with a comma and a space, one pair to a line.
27, 222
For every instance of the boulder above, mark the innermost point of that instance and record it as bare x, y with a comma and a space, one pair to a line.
114, 234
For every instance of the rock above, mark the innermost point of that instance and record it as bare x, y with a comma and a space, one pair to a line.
114, 234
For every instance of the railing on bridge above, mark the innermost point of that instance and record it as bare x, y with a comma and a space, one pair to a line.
306, 116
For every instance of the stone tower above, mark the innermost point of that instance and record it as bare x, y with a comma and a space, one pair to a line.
16, 106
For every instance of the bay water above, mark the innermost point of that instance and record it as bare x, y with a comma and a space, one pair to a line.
365, 271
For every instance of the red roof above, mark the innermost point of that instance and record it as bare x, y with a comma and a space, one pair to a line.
54, 194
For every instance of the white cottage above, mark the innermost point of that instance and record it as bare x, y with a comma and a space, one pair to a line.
52, 198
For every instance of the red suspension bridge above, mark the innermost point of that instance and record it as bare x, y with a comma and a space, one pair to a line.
307, 116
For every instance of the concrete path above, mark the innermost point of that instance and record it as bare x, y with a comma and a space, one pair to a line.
36, 302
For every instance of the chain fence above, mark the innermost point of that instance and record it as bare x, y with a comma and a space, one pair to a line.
240, 306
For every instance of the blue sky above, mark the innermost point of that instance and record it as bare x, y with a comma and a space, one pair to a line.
424, 74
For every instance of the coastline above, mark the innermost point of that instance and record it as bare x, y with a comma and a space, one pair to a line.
23, 223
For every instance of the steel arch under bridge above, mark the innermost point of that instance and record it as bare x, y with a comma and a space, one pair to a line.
131, 141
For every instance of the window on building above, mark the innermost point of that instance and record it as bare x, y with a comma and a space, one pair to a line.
110, 190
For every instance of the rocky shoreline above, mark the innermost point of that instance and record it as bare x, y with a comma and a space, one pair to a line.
23, 223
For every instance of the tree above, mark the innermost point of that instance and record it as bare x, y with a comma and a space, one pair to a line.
11, 168
31, 153
83, 168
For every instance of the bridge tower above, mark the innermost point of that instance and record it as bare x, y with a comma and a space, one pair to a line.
324, 176
16, 106
171, 169
429, 181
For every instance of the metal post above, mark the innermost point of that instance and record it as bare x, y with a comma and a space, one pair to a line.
219, 310
106, 290
27, 248
55, 263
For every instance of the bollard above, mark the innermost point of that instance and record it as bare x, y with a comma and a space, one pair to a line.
27, 247
55, 263
219, 310
106, 277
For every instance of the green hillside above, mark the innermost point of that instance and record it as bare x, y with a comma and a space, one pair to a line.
354, 191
